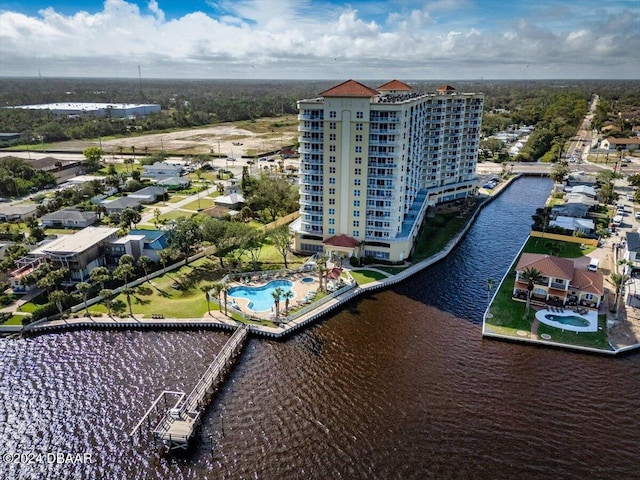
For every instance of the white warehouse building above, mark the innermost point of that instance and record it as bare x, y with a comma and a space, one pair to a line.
111, 110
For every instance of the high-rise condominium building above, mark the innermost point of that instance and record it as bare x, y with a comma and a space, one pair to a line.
373, 160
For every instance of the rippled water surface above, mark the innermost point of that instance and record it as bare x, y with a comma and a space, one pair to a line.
398, 385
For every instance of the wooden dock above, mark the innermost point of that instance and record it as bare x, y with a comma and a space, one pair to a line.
180, 422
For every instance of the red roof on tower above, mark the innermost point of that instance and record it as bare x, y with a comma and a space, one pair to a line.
395, 85
350, 88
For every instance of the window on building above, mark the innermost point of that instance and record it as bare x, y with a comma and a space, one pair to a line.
332, 148
358, 160
358, 171
332, 231
356, 182
332, 211
332, 180
356, 223
358, 149
332, 159
359, 115
332, 169
332, 137
358, 126
332, 201
332, 221
356, 213
332, 114
356, 193
332, 191
358, 138
356, 203
332, 125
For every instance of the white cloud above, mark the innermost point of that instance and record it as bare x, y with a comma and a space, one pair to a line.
306, 39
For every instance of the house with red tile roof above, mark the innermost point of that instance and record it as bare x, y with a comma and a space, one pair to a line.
561, 281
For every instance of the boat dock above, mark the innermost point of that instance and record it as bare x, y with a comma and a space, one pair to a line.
178, 425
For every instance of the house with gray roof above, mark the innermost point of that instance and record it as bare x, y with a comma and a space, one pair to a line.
69, 218
148, 194
161, 170
12, 213
119, 204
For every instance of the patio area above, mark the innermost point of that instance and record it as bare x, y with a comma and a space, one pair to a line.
303, 285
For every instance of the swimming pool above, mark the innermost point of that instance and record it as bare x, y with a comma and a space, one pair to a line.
587, 322
260, 298
308, 280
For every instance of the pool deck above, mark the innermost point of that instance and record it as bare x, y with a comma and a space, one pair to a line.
299, 288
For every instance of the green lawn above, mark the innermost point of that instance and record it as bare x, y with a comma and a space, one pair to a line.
556, 248
14, 320
174, 215
436, 233
176, 198
597, 339
160, 296
366, 276
205, 202
508, 318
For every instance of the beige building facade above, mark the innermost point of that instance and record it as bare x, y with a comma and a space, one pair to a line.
373, 160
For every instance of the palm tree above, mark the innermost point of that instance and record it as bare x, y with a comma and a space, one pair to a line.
276, 298
128, 291
532, 276
490, 285
58, 296
321, 269
618, 280
206, 288
145, 264
106, 298
123, 271
83, 288
217, 288
100, 275
288, 295
224, 288
165, 255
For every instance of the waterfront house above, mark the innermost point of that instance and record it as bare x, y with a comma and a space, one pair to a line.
80, 253
581, 178
573, 224
138, 243
561, 283
69, 218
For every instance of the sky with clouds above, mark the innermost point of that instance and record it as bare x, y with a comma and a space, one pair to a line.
322, 39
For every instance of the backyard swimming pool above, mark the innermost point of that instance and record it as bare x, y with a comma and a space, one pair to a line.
260, 298
583, 322
308, 280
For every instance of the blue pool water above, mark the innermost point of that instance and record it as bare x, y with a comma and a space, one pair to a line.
260, 298
572, 320
307, 280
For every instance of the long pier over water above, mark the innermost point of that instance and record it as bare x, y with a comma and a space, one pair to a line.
180, 422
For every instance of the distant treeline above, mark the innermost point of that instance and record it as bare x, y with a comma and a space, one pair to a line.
554, 107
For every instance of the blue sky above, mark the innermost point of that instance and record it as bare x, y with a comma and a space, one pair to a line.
407, 39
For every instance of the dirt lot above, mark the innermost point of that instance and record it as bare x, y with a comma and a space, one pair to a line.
260, 137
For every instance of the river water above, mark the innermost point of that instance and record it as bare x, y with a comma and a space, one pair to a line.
397, 385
